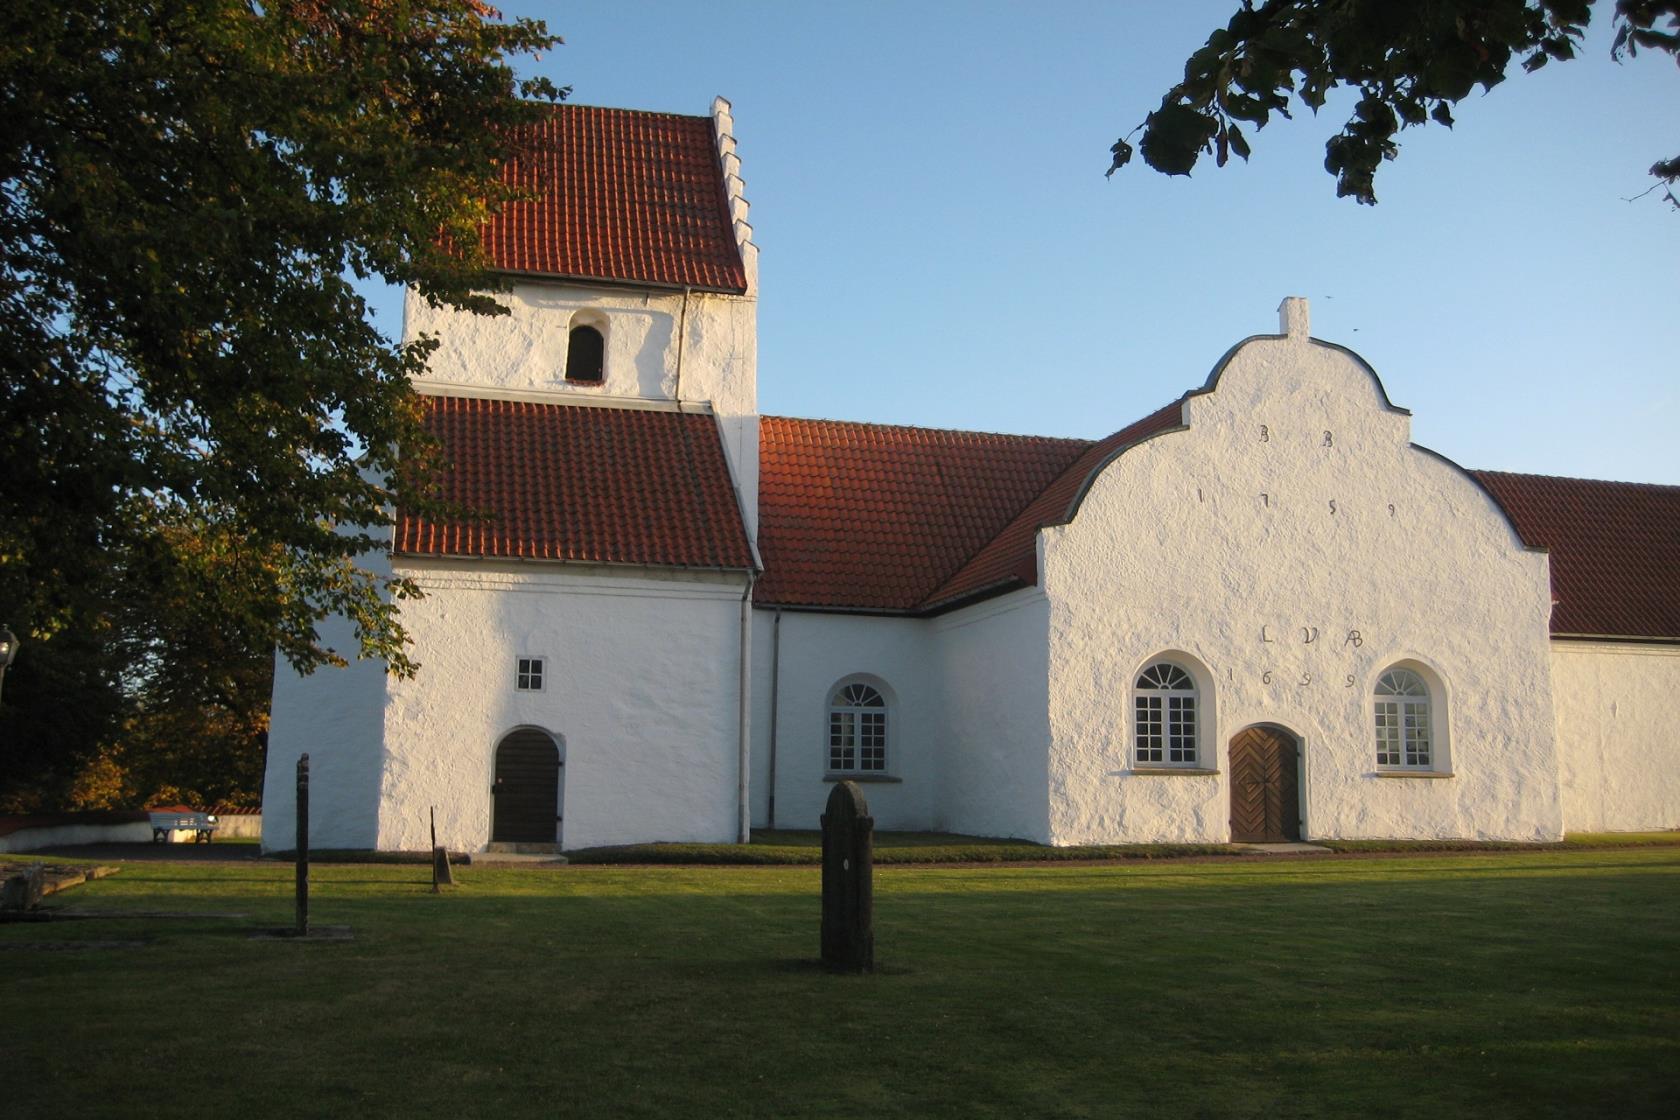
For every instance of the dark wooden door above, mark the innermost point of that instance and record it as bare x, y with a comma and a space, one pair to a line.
1265, 787
527, 789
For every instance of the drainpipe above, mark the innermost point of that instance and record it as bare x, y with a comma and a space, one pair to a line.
775, 699
682, 337
743, 761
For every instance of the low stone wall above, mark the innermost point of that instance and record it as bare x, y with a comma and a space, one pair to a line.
30, 834
238, 826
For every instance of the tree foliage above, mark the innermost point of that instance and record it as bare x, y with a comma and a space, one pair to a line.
161, 697
1411, 63
202, 431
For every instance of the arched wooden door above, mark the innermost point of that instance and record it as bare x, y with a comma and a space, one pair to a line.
526, 807
1265, 787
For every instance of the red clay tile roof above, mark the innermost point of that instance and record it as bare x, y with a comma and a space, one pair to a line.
872, 517
575, 482
915, 520
626, 196
1615, 550
1011, 558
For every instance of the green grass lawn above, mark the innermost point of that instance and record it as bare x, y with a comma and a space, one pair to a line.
1507, 984
795, 846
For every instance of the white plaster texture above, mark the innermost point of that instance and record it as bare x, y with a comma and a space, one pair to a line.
1618, 711
968, 726
994, 678
336, 716
818, 652
1286, 548
640, 693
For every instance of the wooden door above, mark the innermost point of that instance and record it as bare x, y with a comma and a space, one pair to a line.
526, 806
1265, 787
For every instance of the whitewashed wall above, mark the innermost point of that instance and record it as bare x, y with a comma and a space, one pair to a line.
1617, 706
646, 333
641, 689
994, 672
817, 652
336, 716
1231, 545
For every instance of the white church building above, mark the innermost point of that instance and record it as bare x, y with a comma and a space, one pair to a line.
1259, 613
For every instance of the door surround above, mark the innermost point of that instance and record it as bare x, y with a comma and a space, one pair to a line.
1265, 794
527, 784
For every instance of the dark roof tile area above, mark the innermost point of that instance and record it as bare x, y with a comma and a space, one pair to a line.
622, 196
875, 517
581, 483
1011, 558
1614, 550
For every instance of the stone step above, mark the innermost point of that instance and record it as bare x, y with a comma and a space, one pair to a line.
521, 849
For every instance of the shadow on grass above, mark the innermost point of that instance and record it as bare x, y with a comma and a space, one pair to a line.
1516, 986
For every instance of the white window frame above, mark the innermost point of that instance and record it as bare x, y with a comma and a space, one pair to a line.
526, 667
1403, 712
1160, 729
857, 734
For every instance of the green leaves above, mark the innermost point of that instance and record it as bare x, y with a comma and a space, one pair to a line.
186, 187
1174, 136
1412, 62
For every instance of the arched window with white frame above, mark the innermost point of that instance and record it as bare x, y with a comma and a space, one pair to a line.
1164, 723
857, 729
1404, 721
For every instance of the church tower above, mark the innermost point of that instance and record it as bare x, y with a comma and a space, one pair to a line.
634, 279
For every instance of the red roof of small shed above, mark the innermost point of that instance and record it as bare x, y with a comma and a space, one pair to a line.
581, 483
621, 196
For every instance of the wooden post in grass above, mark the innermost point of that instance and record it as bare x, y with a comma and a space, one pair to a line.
303, 846
848, 890
441, 875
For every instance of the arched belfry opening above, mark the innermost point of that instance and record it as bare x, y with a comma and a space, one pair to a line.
586, 354
528, 791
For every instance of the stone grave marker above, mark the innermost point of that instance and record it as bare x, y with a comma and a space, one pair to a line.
848, 891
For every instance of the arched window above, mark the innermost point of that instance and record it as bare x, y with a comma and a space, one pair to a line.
1164, 725
1404, 738
585, 355
857, 730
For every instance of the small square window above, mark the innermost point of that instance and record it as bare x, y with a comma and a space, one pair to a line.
528, 675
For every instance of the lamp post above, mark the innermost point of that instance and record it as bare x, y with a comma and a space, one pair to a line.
8, 650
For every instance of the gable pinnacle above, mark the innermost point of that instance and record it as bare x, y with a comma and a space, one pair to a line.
1293, 318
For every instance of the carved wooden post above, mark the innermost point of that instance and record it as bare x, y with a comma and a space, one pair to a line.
848, 891
303, 846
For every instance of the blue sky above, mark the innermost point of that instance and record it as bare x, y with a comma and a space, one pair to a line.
939, 245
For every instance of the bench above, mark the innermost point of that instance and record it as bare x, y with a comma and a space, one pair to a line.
201, 825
